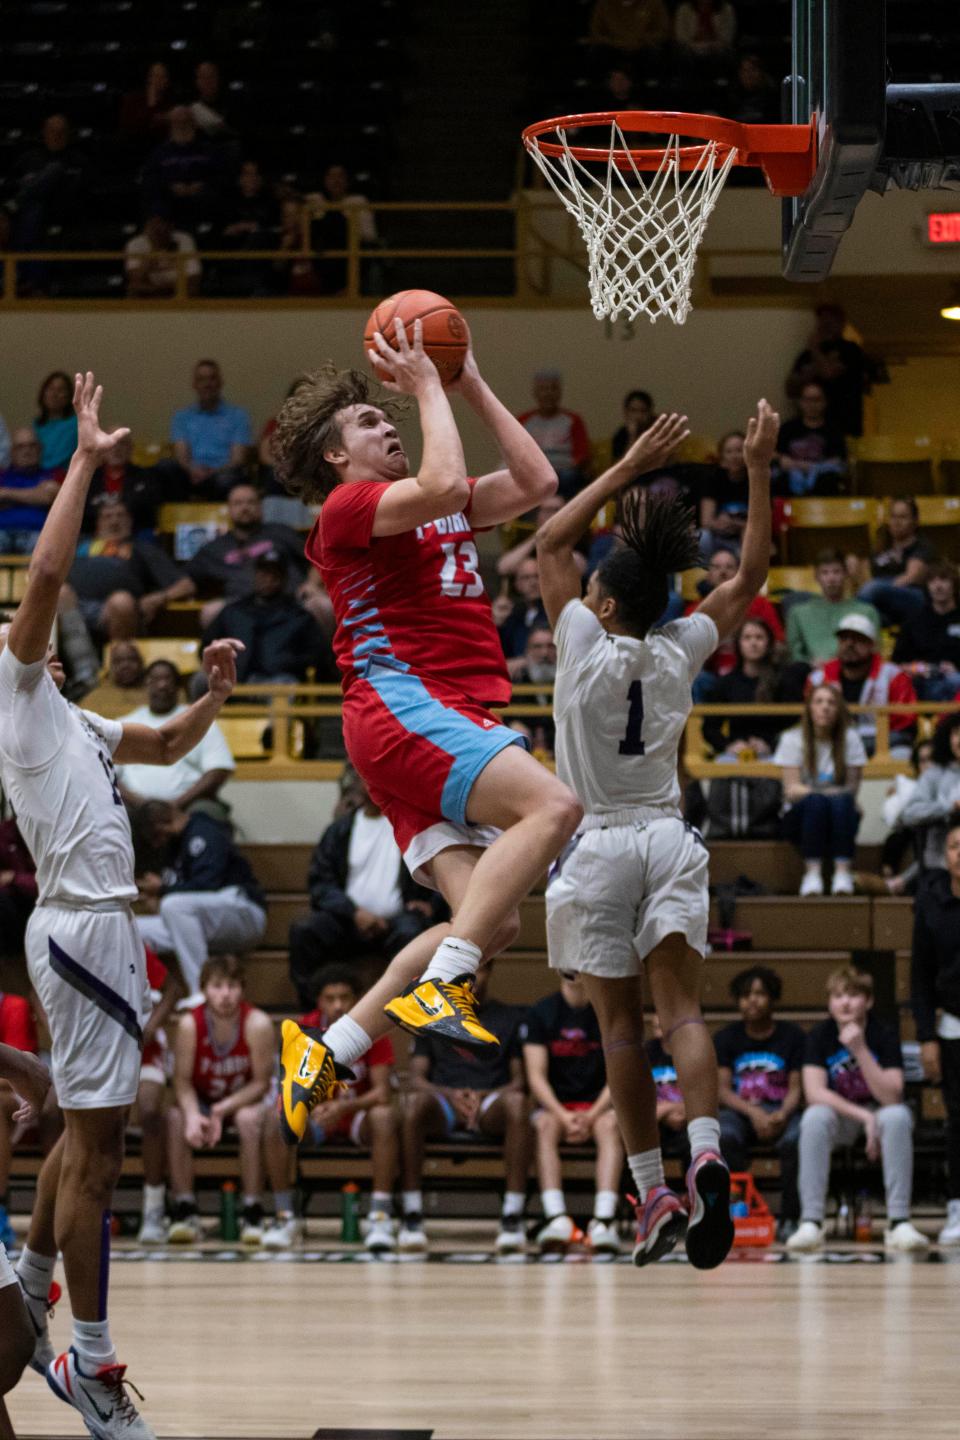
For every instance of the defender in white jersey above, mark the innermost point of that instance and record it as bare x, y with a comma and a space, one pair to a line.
631, 889
84, 954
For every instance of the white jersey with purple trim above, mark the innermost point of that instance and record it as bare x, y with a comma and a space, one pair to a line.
56, 769
621, 705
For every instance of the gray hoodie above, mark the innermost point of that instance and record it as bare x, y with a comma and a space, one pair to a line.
937, 795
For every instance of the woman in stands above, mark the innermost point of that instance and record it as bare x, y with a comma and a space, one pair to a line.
937, 794
899, 568
632, 889
822, 760
753, 681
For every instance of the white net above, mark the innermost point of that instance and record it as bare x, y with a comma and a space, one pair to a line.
641, 228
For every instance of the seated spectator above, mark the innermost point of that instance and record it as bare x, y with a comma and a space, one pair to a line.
723, 566
165, 992
210, 438
638, 415
193, 782
18, 895
363, 902
250, 211
853, 1086
145, 113
864, 677
723, 498
527, 613
759, 1061
123, 688
629, 27
812, 622
207, 898
225, 566
56, 424
822, 760
181, 179
51, 174
4, 444
937, 793
935, 985
811, 456
208, 108
136, 485
119, 584
899, 568
19, 1031
754, 98
752, 681
838, 364
363, 1115
704, 32
329, 210
222, 1067
561, 434
671, 1108
451, 1093
900, 841
538, 663
282, 640
152, 273
567, 1079
27, 490
929, 643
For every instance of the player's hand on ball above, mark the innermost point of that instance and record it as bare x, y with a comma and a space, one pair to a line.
654, 447
469, 374
762, 431
220, 666
406, 369
91, 440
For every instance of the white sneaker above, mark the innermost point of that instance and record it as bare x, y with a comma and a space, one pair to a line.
39, 1312
185, 1227
905, 1237
511, 1237
807, 1236
950, 1234
380, 1236
603, 1237
842, 883
557, 1234
153, 1228
412, 1239
811, 884
100, 1397
285, 1233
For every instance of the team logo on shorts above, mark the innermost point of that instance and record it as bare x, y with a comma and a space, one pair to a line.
488, 724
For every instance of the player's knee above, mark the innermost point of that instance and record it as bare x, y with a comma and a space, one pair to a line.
547, 1125
516, 1107
416, 1107
382, 1120
563, 812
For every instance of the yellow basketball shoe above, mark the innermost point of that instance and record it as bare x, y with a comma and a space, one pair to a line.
446, 1009
308, 1074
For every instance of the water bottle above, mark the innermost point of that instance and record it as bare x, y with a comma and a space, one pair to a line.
349, 1214
863, 1222
229, 1229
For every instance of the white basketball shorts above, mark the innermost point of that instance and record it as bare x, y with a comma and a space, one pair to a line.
622, 888
89, 971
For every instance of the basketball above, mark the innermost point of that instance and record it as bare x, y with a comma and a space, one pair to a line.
445, 332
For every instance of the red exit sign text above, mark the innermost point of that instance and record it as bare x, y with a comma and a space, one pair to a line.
943, 227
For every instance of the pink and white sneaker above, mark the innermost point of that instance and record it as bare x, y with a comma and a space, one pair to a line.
661, 1224
100, 1396
710, 1228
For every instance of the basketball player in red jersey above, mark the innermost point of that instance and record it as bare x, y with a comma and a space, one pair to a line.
473, 813
223, 1062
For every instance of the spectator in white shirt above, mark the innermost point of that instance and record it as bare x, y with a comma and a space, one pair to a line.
150, 266
196, 780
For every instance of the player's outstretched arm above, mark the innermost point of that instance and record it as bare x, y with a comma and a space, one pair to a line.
527, 477
29, 635
728, 603
560, 580
141, 745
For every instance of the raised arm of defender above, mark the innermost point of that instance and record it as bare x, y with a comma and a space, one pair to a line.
168, 743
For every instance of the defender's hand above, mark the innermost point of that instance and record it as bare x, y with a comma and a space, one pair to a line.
653, 448
762, 431
220, 667
91, 440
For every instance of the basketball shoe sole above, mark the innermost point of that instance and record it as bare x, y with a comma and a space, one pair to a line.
709, 1228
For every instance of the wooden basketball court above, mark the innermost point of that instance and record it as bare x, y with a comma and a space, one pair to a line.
800, 1350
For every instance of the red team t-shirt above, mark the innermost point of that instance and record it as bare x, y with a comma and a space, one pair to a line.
17, 1026
217, 1074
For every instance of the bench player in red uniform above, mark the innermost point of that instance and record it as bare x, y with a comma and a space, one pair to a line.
223, 1061
474, 814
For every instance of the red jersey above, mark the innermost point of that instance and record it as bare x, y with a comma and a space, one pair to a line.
218, 1073
17, 1026
380, 1053
411, 602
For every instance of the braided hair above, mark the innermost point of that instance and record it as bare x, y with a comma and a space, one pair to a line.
659, 538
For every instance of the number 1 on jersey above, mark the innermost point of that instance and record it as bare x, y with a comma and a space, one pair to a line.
632, 742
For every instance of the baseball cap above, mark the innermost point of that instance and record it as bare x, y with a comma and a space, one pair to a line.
858, 625
271, 559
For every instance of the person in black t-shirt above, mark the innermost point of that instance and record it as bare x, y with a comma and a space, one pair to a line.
899, 567
839, 365
929, 643
723, 497
853, 1086
567, 1076
759, 1060
811, 455
118, 583
454, 1093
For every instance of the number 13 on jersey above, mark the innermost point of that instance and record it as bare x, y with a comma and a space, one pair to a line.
459, 577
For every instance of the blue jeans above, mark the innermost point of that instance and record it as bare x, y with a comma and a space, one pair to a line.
896, 603
823, 826
18, 542
737, 1139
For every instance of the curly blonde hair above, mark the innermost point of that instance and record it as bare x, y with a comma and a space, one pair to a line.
308, 426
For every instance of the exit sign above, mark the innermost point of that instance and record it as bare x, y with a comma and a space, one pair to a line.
943, 227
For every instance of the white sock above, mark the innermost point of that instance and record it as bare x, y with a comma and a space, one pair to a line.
36, 1272
91, 1340
381, 1200
347, 1040
513, 1202
553, 1204
154, 1199
703, 1134
605, 1205
646, 1167
413, 1202
283, 1202
453, 958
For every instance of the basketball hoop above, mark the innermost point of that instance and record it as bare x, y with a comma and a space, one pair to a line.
642, 210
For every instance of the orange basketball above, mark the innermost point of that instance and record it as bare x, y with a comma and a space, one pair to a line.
445, 333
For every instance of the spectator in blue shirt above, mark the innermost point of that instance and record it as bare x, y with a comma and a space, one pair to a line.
56, 424
27, 491
210, 438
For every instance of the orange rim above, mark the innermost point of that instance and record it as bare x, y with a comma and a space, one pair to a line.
786, 154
